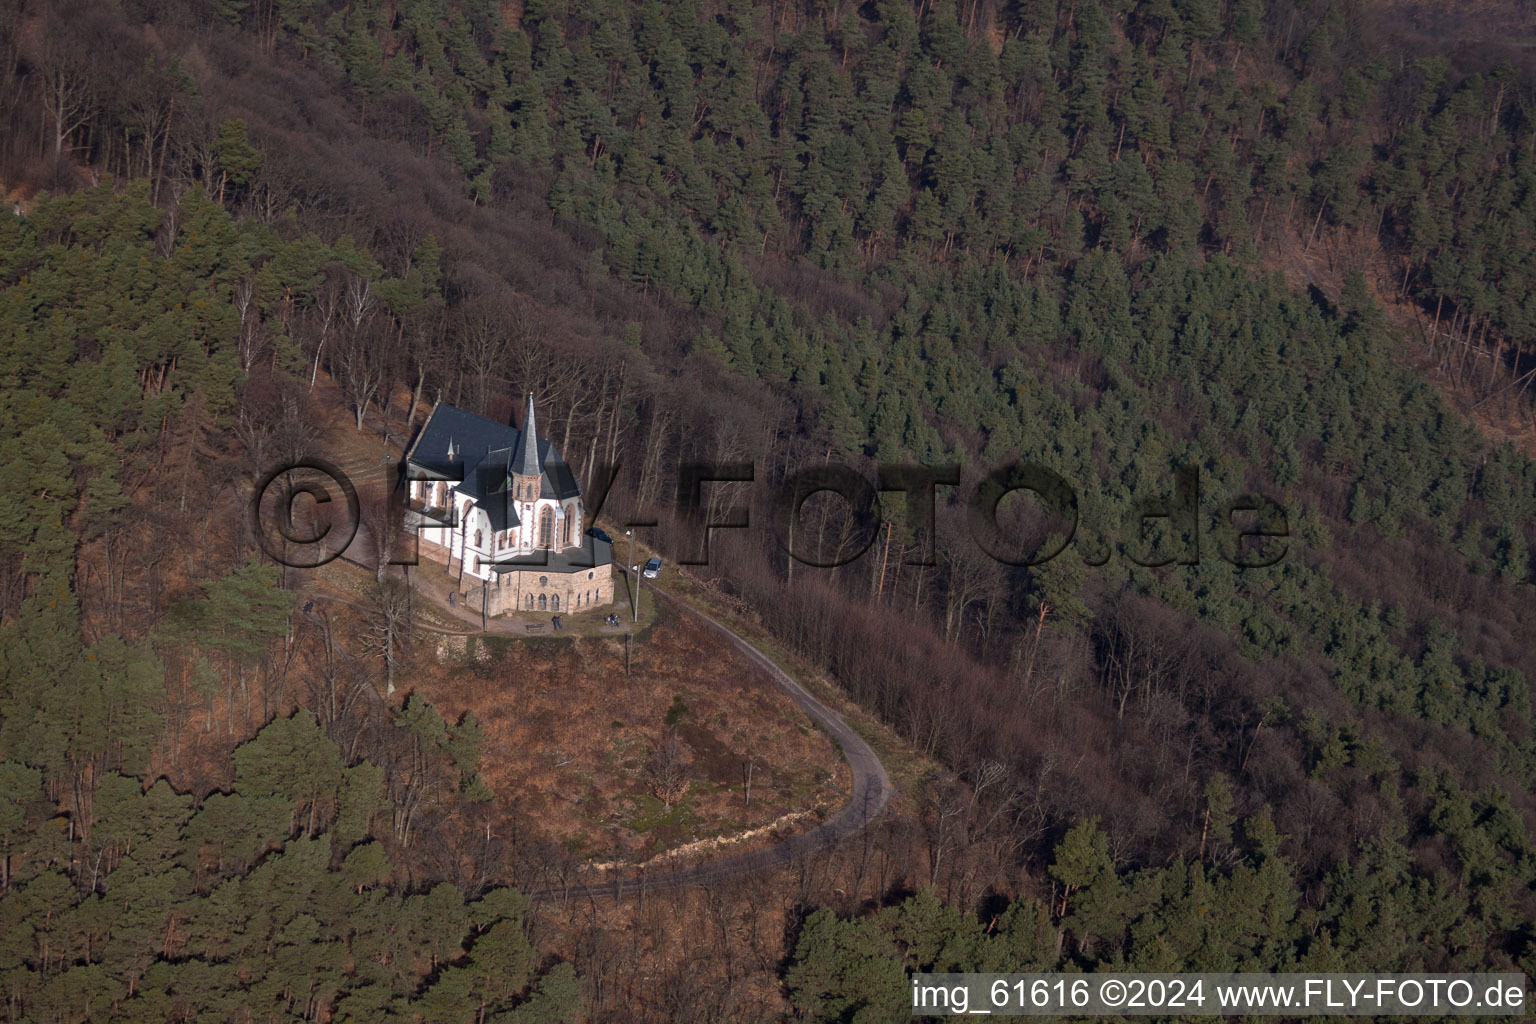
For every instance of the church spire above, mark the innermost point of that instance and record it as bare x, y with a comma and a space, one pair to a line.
525, 458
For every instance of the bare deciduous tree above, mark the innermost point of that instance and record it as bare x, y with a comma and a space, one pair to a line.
359, 361
384, 520
667, 769
973, 576
483, 339
65, 81
251, 338
388, 634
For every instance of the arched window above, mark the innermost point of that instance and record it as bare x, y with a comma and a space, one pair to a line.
541, 602
554, 602
565, 530
547, 529
529, 602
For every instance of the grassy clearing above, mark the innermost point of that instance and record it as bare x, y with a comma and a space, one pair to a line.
572, 718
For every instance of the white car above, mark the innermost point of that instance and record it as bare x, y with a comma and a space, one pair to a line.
652, 568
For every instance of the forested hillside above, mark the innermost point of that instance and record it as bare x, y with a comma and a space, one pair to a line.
1285, 243
135, 646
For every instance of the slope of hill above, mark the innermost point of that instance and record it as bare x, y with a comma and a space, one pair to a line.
950, 233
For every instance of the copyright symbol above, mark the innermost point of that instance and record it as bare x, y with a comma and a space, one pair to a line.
1112, 992
281, 522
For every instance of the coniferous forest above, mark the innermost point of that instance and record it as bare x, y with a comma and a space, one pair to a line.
1284, 247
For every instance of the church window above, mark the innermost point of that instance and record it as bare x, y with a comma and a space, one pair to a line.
477, 538
547, 529
554, 602
529, 602
541, 602
543, 581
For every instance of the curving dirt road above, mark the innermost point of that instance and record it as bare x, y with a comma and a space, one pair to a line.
871, 792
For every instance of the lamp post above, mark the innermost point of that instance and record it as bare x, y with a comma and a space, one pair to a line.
639, 582
634, 596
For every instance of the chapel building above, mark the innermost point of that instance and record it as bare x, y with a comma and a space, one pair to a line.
502, 510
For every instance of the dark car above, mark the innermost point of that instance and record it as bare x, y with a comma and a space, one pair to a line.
600, 535
653, 568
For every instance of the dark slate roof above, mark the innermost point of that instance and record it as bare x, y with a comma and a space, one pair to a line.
559, 482
592, 554
471, 437
525, 457
495, 494
483, 453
